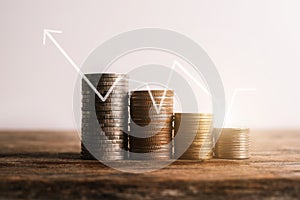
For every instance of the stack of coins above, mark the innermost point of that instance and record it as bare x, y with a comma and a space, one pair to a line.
151, 128
233, 143
105, 123
193, 136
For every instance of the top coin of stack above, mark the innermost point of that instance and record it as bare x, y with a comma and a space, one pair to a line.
233, 143
193, 136
151, 131
105, 123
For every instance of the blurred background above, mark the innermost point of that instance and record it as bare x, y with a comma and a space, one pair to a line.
254, 44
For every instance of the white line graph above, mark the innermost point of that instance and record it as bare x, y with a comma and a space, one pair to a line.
202, 87
48, 33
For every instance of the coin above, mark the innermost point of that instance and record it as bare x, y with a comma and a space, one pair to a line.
109, 139
107, 85
151, 102
113, 120
148, 123
154, 129
117, 124
196, 126
103, 136
102, 141
186, 115
152, 138
104, 108
161, 92
147, 102
151, 115
233, 143
97, 75
120, 87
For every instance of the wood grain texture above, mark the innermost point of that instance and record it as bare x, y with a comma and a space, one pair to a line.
46, 165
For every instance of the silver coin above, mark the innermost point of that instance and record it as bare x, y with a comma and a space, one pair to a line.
150, 123
154, 137
113, 108
113, 93
105, 80
107, 84
109, 116
145, 115
149, 107
101, 84
151, 116
152, 91
105, 130
192, 114
143, 103
113, 121
150, 155
116, 114
149, 101
110, 98
148, 97
108, 139
98, 110
102, 130
115, 124
150, 128
94, 99
102, 117
120, 83
96, 75
99, 141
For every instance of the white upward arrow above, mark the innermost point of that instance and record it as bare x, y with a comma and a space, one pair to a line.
48, 33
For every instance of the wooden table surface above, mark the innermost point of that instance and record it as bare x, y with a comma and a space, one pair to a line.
46, 165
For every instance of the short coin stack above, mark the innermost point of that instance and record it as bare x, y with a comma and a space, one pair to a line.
151, 131
104, 123
233, 143
193, 136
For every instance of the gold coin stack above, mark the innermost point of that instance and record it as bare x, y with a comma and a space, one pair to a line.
193, 136
104, 123
233, 143
151, 131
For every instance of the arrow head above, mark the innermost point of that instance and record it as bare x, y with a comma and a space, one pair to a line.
47, 32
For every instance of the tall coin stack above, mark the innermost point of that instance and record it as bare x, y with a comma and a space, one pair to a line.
233, 143
151, 131
104, 123
193, 136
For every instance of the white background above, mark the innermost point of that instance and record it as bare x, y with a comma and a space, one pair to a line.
254, 43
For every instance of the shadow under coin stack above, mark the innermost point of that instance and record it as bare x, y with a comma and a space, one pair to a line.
233, 143
193, 136
104, 123
151, 131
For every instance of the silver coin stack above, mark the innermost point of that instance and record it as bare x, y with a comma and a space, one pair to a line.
233, 143
151, 131
193, 136
105, 123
